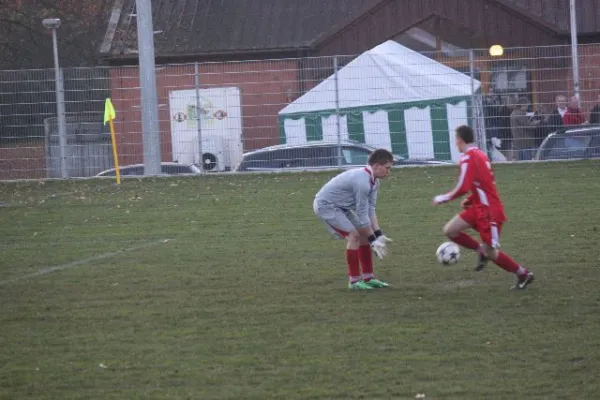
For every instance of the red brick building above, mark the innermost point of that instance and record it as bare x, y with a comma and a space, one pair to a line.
283, 36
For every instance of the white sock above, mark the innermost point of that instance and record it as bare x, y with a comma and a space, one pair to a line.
521, 271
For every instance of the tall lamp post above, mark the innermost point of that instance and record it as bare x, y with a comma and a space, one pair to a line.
54, 24
574, 54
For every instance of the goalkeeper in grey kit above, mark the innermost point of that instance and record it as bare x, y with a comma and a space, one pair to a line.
347, 205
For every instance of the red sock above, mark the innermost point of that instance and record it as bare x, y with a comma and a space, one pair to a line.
353, 260
366, 259
506, 263
464, 240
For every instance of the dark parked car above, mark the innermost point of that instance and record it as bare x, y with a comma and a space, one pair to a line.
314, 156
571, 144
167, 168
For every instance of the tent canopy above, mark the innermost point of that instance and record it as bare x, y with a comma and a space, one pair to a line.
390, 97
388, 73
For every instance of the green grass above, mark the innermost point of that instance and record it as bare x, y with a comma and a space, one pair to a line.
229, 288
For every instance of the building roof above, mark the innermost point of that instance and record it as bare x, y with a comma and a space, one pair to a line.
555, 14
191, 27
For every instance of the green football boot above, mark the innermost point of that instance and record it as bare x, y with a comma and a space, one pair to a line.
376, 283
359, 285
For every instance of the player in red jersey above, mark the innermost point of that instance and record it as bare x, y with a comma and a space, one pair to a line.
482, 210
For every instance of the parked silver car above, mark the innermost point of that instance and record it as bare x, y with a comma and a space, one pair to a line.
167, 168
315, 156
575, 143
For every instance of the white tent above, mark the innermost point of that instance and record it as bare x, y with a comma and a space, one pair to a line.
391, 97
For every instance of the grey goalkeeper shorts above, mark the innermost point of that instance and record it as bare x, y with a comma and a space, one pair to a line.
340, 222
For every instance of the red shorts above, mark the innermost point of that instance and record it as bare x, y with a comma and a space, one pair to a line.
340, 232
480, 219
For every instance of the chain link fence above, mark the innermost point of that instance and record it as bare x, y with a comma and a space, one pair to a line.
309, 113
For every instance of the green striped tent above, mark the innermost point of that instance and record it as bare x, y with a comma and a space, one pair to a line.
390, 97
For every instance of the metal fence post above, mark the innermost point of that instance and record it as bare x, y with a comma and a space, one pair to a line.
198, 116
475, 117
62, 125
472, 74
337, 111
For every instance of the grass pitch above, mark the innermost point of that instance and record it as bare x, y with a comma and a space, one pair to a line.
228, 287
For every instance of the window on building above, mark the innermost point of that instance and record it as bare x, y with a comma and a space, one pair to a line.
420, 40
509, 78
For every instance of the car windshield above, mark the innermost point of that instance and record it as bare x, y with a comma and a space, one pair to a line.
565, 147
355, 155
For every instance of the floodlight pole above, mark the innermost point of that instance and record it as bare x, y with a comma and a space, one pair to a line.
149, 103
574, 54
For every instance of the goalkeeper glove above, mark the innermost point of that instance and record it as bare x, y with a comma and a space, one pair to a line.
378, 244
379, 234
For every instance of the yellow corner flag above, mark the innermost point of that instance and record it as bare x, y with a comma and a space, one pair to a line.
109, 111
109, 116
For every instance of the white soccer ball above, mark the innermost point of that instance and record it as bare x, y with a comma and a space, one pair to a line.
448, 253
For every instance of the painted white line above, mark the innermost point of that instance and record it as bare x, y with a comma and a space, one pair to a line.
49, 270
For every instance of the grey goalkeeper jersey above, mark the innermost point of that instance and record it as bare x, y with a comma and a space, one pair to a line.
352, 190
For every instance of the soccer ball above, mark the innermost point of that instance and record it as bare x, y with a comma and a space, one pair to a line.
448, 253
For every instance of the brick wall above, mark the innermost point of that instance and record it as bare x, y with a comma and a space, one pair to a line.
22, 162
265, 88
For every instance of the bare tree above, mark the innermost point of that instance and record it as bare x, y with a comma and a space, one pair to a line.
27, 96
25, 43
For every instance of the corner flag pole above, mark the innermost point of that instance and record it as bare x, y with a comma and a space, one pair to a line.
109, 116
